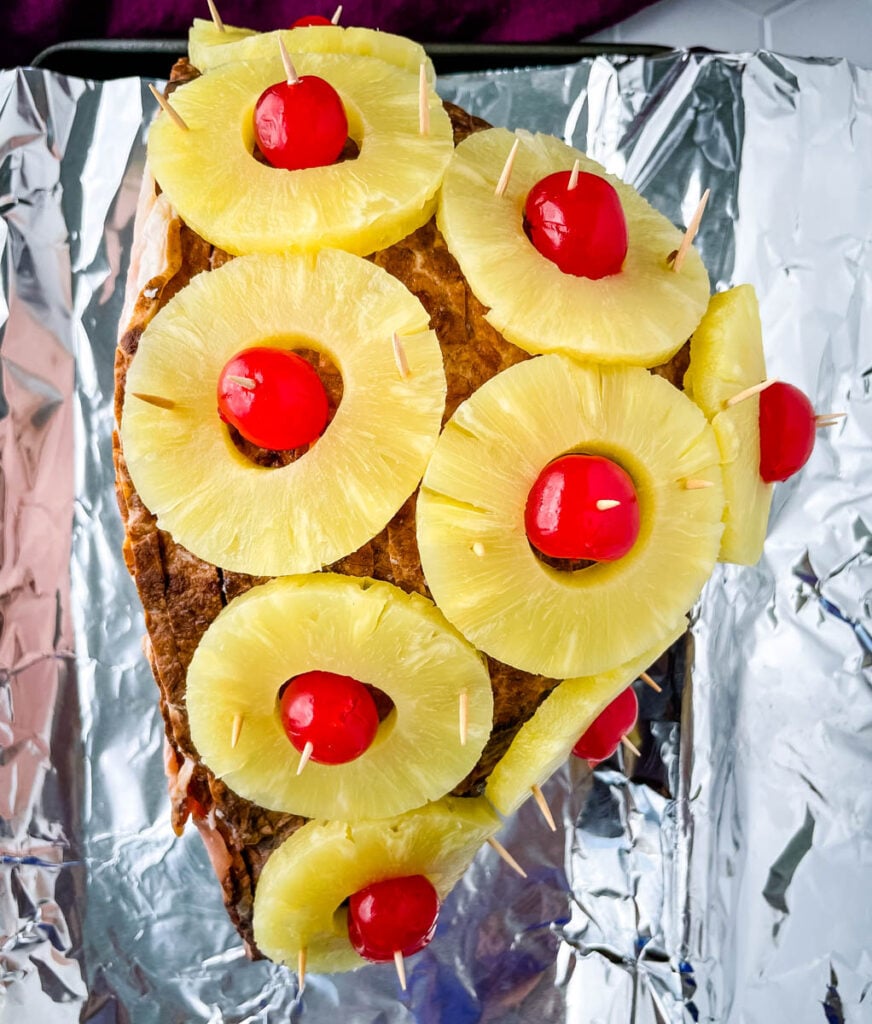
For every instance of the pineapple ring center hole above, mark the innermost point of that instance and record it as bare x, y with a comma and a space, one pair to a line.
269, 458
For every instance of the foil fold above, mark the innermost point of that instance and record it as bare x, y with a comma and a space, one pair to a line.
722, 877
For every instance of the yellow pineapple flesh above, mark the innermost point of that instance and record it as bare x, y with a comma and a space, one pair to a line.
477, 560
726, 357
210, 175
210, 48
641, 315
275, 521
371, 631
546, 740
298, 903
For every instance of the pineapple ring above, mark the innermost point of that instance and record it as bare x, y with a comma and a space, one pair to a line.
726, 356
370, 630
479, 565
545, 741
209, 47
641, 315
210, 175
340, 494
299, 896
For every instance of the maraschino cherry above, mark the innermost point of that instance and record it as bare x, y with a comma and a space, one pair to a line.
273, 397
397, 915
578, 225
582, 507
311, 19
607, 730
300, 122
787, 431
336, 714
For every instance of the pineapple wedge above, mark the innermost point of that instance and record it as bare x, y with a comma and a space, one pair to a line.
300, 894
546, 740
726, 357
210, 48
341, 493
369, 630
641, 315
210, 175
477, 560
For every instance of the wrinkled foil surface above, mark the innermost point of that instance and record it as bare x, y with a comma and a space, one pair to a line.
722, 877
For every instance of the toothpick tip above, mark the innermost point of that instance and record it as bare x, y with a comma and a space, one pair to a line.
542, 804
648, 681
504, 854
304, 757
631, 746
463, 713
235, 730
400, 965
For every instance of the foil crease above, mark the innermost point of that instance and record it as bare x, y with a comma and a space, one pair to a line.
722, 877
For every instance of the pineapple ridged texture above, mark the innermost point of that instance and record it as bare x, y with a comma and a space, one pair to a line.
210, 175
641, 316
474, 549
369, 630
299, 895
346, 488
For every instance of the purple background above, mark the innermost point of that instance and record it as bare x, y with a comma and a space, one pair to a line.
28, 26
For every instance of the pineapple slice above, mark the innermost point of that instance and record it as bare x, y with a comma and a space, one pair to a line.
210, 48
206, 40
726, 356
341, 493
641, 315
546, 740
220, 190
299, 899
369, 630
476, 558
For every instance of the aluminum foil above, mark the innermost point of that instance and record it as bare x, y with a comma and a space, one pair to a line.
723, 876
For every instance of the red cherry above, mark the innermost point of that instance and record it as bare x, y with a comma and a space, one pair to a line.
396, 915
608, 729
311, 19
787, 429
583, 230
562, 517
286, 407
300, 124
336, 714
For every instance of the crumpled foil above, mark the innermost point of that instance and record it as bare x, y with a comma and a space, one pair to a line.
723, 876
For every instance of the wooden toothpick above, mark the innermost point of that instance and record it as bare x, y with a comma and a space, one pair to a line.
631, 746
478, 549
423, 102
400, 357
235, 730
828, 419
749, 392
692, 484
400, 965
573, 177
244, 382
156, 400
290, 70
648, 681
216, 17
304, 757
542, 804
690, 234
604, 504
503, 183
302, 957
337, 14
166, 107
463, 720
502, 852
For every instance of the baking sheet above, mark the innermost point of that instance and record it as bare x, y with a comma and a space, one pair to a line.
727, 880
